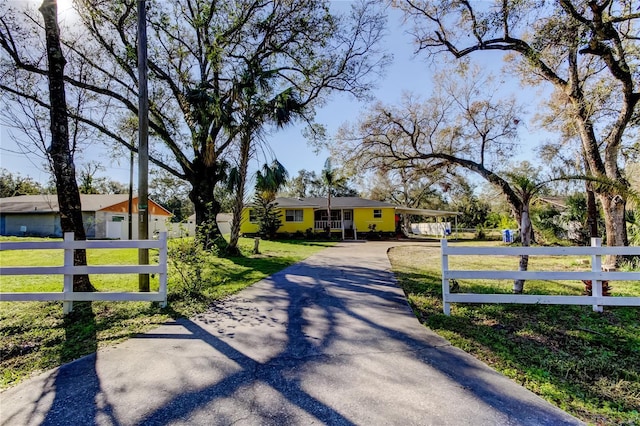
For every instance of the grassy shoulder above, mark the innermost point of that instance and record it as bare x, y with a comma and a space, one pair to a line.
584, 362
36, 336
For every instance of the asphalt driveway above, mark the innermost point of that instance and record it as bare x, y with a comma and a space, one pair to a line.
330, 340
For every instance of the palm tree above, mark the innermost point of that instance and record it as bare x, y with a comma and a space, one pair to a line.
268, 182
526, 188
259, 106
329, 179
335, 184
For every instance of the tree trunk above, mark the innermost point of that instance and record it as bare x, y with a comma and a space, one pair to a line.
238, 203
203, 181
61, 155
525, 237
616, 227
592, 212
605, 166
406, 224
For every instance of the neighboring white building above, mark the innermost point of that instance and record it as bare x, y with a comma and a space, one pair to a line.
104, 216
187, 228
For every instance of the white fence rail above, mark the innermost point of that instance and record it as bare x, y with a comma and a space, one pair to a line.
595, 275
68, 269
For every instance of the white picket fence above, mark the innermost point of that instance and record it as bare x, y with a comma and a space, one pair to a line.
68, 269
596, 275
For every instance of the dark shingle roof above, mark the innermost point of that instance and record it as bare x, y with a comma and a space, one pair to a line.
336, 202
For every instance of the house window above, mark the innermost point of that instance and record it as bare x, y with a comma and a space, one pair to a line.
253, 217
377, 213
293, 216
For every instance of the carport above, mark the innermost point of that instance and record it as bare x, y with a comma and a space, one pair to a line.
431, 213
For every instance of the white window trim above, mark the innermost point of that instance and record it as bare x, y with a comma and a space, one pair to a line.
294, 214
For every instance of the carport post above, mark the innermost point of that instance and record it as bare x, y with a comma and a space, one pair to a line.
455, 218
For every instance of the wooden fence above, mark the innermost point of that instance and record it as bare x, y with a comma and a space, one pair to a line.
596, 275
68, 269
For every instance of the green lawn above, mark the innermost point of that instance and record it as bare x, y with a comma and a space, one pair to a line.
584, 362
35, 336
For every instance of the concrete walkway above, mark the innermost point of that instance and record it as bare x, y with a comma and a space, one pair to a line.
330, 340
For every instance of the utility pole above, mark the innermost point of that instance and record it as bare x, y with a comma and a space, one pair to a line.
143, 143
130, 218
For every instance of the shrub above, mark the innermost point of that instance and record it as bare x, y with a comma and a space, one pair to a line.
187, 261
633, 227
268, 216
309, 234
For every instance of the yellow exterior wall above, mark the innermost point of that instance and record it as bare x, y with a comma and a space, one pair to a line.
247, 227
363, 217
307, 221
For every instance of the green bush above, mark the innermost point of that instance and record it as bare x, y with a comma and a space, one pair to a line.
187, 260
500, 221
633, 227
309, 234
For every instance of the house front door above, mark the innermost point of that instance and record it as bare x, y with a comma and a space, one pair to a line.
347, 218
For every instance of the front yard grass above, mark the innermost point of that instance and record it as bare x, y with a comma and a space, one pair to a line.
36, 336
586, 363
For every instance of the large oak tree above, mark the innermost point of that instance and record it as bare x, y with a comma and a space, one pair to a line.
588, 51
200, 56
462, 125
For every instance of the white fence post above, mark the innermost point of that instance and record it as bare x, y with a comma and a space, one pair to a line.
67, 305
446, 306
596, 266
162, 262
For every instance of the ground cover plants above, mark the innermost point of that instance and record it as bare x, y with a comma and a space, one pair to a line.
35, 336
584, 362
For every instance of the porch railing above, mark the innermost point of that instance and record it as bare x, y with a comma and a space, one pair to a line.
322, 224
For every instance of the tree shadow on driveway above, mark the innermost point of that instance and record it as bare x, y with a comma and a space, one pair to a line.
328, 340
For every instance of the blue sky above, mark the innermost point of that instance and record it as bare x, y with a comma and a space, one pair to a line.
409, 72
406, 73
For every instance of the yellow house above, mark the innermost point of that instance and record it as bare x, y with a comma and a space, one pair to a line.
350, 216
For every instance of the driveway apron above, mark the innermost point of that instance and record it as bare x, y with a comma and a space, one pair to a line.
330, 340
